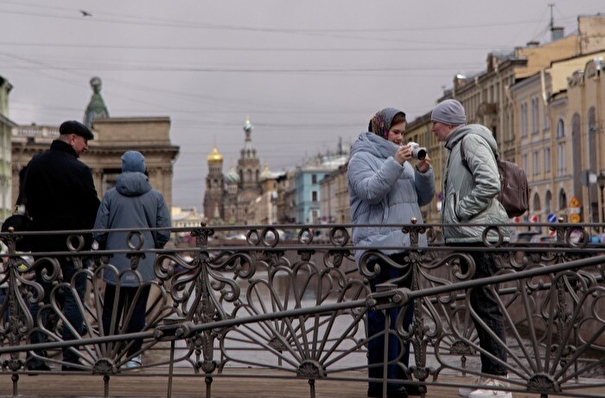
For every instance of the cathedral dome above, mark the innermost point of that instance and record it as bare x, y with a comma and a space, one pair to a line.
232, 177
215, 156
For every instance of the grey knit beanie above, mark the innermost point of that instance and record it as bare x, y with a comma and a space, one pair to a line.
450, 112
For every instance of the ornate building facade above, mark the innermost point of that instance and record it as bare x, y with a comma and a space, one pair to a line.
113, 137
229, 199
7, 203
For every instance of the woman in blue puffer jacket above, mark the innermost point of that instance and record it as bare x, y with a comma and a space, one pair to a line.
387, 191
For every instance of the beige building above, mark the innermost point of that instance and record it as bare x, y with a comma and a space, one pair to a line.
185, 217
488, 100
7, 203
148, 135
334, 194
419, 131
585, 118
113, 137
264, 209
559, 118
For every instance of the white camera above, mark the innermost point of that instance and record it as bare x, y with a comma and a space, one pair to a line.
418, 152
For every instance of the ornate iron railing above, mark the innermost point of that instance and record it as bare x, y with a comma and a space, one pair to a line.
291, 300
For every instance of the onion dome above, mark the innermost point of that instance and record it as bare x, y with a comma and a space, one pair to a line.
215, 156
232, 177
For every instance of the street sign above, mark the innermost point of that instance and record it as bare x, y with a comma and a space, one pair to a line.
574, 218
551, 217
574, 202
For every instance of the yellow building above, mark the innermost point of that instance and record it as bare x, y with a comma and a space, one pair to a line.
334, 194
488, 100
558, 129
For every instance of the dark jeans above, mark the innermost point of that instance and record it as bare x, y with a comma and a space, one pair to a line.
71, 310
485, 304
376, 325
126, 297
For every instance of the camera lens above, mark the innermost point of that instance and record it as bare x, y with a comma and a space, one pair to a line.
419, 153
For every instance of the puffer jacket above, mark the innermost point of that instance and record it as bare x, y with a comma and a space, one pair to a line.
384, 192
471, 198
133, 204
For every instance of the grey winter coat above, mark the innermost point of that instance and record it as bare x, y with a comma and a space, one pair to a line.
133, 204
471, 198
384, 192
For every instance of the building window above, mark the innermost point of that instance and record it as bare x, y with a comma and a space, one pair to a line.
561, 166
562, 200
525, 162
313, 178
314, 196
548, 202
536, 164
560, 128
547, 160
534, 116
546, 114
524, 119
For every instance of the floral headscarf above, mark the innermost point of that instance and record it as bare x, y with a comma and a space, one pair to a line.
380, 124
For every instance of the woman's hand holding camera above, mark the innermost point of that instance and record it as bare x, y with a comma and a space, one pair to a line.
413, 151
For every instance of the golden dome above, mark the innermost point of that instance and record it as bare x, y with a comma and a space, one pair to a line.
215, 156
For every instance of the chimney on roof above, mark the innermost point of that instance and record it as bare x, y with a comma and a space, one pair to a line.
533, 44
556, 33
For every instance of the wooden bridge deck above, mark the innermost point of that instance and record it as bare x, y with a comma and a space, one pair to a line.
224, 386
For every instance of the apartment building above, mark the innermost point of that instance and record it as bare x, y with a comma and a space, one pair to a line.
488, 100
6, 198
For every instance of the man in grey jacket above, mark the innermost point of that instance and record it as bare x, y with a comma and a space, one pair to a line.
469, 207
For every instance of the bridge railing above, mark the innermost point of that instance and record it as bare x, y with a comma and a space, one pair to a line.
290, 301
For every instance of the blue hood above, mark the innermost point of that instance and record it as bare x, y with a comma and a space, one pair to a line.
132, 183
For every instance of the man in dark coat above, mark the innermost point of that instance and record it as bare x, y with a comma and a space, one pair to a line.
60, 195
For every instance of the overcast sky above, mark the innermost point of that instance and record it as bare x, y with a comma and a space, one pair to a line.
307, 73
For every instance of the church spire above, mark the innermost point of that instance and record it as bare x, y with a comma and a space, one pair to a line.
96, 108
248, 152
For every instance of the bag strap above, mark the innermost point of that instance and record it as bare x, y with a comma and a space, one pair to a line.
463, 155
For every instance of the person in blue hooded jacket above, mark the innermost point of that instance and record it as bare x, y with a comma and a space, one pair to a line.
135, 205
387, 190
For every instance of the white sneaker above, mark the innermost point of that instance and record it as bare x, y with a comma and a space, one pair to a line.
486, 393
466, 391
135, 362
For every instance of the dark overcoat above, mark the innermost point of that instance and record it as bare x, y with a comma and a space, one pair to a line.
60, 195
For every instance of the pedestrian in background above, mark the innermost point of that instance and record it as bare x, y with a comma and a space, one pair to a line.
135, 205
385, 188
60, 195
470, 197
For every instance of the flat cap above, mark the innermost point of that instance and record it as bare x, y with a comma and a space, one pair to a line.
77, 128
